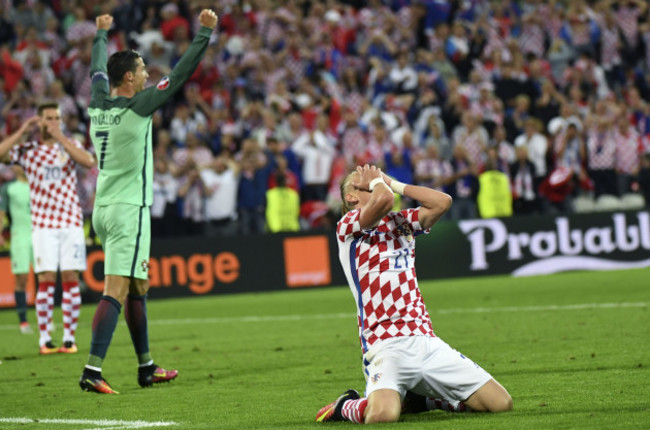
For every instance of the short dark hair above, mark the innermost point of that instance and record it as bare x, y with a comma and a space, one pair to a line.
48, 105
120, 63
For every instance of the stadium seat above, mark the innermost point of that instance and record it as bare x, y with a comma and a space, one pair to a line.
632, 201
607, 202
582, 204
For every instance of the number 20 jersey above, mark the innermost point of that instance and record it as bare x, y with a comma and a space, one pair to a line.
379, 265
52, 184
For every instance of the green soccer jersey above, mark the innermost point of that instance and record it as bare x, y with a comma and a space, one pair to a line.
14, 200
120, 127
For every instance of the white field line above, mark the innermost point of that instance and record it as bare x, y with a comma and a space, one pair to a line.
104, 424
281, 318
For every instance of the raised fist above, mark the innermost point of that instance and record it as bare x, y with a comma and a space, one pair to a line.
208, 18
104, 22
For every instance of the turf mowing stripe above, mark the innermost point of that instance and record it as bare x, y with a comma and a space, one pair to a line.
114, 424
545, 308
271, 318
253, 318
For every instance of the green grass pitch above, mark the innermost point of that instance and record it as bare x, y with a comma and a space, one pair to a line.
572, 349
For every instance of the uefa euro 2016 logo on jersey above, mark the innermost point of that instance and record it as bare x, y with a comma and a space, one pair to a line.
375, 378
405, 230
144, 265
163, 84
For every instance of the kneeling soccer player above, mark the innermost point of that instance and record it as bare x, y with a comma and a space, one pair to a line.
407, 368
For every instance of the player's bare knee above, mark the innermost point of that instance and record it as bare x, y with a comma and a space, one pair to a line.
505, 404
502, 403
382, 415
70, 276
117, 292
47, 277
139, 287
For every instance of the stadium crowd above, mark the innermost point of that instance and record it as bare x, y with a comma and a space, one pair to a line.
292, 94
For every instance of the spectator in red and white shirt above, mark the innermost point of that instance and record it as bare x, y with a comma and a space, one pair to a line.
568, 148
317, 155
378, 142
627, 14
537, 145
57, 221
31, 45
39, 75
432, 170
351, 137
522, 176
610, 49
473, 137
628, 154
173, 25
601, 156
532, 35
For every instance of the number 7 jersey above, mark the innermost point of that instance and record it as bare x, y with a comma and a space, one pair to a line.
379, 265
52, 181
120, 127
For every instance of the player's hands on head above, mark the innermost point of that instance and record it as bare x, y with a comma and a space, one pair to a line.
104, 22
54, 130
387, 178
28, 125
365, 175
207, 18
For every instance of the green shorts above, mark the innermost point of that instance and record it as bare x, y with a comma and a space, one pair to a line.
21, 253
125, 232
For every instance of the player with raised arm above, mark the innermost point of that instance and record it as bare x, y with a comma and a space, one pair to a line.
402, 357
120, 129
57, 222
14, 202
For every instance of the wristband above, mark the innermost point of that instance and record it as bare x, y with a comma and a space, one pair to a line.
376, 181
397, 186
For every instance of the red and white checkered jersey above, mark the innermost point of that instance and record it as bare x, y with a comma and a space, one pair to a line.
628, 151
627, 19
532, 39
609, 51
473, 142
52, 184
379, 264
601, 150
580, 31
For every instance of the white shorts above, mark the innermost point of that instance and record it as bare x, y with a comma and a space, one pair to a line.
59, 248
424, 365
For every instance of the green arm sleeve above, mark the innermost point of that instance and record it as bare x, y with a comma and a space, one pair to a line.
4, 200
149, 100
98, 72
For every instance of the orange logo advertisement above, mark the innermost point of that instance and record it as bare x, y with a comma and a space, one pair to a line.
7, 282
307, 261
199, 272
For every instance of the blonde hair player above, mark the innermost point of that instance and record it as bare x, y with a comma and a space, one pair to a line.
406, 366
